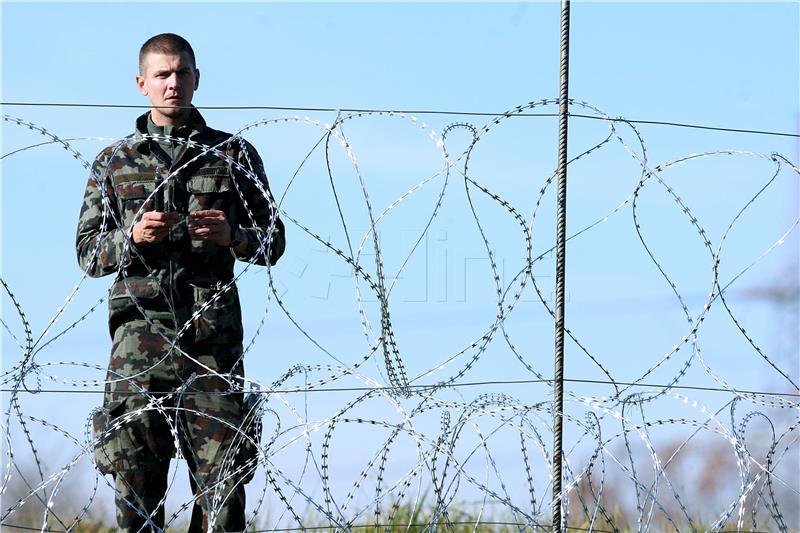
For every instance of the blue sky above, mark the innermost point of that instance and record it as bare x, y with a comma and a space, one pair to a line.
720, 64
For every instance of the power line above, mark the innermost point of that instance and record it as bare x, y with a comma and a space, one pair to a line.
414, 112
433, 387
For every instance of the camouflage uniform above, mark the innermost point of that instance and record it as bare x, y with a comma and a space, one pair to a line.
179, 286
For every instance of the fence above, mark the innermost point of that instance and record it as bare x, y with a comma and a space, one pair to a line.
447, 399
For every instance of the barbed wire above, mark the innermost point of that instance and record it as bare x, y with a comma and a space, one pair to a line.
424, 447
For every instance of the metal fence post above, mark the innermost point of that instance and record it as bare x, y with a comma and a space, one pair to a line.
561, 246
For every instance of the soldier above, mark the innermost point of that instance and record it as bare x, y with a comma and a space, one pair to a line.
168, 213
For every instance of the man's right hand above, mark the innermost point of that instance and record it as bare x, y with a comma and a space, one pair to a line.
154, 227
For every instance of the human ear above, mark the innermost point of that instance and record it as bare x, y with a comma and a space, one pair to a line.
140, 83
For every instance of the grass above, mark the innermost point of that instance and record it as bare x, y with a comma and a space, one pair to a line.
407, 518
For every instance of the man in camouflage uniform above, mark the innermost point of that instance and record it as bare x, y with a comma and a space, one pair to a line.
169, 218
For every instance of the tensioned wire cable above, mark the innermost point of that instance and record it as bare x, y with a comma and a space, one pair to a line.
405, 526
453, 386
414, 112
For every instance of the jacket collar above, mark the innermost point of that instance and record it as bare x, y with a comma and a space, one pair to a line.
196, 126
196, 123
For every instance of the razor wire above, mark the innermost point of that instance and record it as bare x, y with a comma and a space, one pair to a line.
435, 447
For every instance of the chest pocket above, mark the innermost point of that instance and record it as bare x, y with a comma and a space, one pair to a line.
210, 189
132, 196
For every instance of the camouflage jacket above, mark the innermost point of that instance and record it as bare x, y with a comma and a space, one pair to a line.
176, 279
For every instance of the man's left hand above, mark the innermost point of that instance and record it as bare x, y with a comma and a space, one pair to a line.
210, 225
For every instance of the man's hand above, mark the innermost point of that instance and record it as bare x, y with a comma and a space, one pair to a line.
210, 225
154, 227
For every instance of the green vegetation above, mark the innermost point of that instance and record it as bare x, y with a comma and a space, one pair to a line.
458, 517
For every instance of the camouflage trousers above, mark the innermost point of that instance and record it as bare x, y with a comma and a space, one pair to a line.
142, 428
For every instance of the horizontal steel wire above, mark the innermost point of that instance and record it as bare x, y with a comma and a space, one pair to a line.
437, 387
412, 112
422, 525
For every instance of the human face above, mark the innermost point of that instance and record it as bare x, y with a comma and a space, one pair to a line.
169, 81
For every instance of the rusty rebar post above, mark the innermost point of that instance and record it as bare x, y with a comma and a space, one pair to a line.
561, 249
